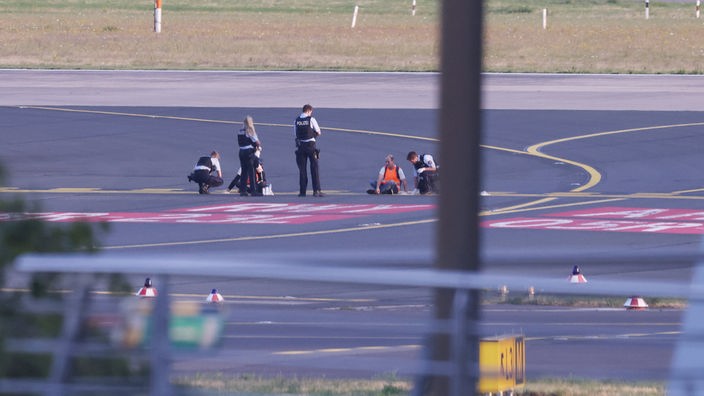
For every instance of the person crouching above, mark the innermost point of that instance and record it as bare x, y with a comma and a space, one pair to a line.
207, 173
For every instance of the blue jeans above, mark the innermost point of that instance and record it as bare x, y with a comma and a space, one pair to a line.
390, 187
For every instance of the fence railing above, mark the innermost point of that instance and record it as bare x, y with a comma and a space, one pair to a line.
687, 364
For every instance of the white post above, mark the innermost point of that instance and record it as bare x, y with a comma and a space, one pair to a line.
354, 16
697, 8
413, 8
157, 16
647, 9
545, 18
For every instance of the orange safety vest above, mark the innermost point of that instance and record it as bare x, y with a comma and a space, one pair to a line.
391, 176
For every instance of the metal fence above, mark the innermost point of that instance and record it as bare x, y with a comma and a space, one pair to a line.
687, 364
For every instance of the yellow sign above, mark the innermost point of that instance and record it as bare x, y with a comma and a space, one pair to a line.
502, 363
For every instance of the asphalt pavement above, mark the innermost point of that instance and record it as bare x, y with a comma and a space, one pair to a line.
557, 150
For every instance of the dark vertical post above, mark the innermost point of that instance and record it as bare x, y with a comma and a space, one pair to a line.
460, 126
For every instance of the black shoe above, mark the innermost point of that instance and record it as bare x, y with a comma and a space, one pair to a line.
371, 191
190, 179
204, 189
244, 194
318, 194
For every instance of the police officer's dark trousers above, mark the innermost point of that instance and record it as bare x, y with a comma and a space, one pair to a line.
247, 165
306, 152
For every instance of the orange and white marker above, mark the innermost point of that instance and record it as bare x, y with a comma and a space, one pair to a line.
214, 297
577, 276
635, 303
147, 290
413, 8
157, 16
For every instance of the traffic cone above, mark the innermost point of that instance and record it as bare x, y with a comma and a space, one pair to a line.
214, 297
147, 290
577, 276
635, 303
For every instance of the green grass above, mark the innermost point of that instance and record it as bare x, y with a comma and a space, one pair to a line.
581, 387
586, 36
391, 385
219, 34
386, 385
576, 301
593, 36
221, 6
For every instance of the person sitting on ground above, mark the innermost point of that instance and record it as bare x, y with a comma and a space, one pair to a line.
425, 172
261, 186
236, 181
207, 173
390, 178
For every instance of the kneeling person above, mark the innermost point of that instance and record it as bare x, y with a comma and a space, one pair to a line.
207, 173
425, 172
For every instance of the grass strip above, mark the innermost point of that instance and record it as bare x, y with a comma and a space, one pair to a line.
577, 301
590, 36
218, 34
219, 383
391, 385
593, 36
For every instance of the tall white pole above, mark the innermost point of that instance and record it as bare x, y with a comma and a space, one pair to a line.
157, 16
354, 16
545, 18
697, 8
413, 8
647, 9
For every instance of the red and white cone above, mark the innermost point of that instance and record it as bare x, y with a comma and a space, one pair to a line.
635, 303
577, 276
214, 297
147, 290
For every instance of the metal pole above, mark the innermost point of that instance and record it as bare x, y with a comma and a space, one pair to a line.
354, 16
61, 361
160, 341
460, 346
545, 18
460, 127
647, 9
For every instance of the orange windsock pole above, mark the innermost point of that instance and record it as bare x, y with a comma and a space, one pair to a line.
157, 16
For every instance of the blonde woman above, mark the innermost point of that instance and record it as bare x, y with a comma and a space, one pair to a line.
248, 142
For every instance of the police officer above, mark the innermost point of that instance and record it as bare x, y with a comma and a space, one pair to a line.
248, 142
307, 129
425, 171
207, 173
